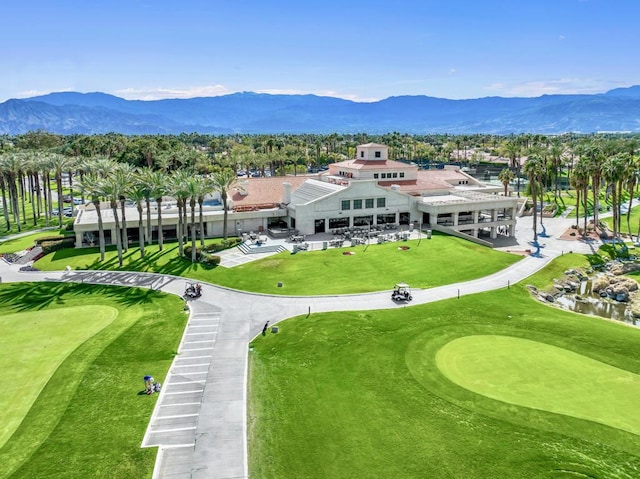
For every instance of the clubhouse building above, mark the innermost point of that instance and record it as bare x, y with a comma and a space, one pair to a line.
367, 191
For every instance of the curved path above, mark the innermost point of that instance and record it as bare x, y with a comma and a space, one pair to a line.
199, 422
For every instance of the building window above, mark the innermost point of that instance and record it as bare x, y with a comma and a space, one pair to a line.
357, 204
375, 175
381, 202
362, 154
378, 154
402, 174
395, 175
346, 205
368, 203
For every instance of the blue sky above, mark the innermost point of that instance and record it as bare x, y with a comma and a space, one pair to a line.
355, 49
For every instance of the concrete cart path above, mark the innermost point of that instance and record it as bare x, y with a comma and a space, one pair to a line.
199, 422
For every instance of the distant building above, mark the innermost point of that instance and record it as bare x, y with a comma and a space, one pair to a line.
369, 190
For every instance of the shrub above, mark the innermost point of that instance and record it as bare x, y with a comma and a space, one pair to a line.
55, 245
209, 259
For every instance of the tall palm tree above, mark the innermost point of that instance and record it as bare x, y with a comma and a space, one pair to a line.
222, 181
178, 190
192, 189
124, 174
613, 170
112, 189
206, 187
59, 164
512, 150
595, 158
138, 193
632, 175
145, 182
534, 168
159, 183
92, 185
11, 169
580, 181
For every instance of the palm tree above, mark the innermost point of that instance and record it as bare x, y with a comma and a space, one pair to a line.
511, 150
534, 168
112, 189
595, 158
138, 193
92, 186
222, 181
505, 177
613, 170
632, 175
192, 188
556, 153
145, 182
59, 164
206, 187
580, 181
124, 174
178, 190
11, 169
159, 183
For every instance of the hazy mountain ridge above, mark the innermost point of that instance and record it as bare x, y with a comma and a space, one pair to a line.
87, 113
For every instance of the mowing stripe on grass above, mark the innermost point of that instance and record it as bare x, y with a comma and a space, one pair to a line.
540, 376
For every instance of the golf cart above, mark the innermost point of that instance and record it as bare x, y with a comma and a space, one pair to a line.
401, 292
193, 290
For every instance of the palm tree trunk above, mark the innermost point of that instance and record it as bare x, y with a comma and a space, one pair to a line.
201, 219
179, 231
192, 204
125, 238
140, 230
100, 230
5, 209
160, 238
59, 189
114, 207
148, 234
24, 210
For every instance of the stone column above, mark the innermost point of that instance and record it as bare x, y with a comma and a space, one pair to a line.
455, 218
78, 239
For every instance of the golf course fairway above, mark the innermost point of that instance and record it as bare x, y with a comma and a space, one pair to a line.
33, 345
540, 376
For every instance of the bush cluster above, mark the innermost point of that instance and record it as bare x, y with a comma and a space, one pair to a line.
55, 243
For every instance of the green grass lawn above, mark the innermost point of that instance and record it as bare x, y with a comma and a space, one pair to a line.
434, 262
362, 394
71, 371
537, 375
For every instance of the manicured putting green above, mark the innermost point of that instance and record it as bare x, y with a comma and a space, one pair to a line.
33, 345
540, 376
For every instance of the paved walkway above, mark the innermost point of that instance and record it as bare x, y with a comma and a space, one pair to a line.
199, 423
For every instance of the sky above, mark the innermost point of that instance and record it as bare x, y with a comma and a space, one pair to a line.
362, 50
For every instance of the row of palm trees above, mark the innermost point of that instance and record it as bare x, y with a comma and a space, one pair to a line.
26, 177
618, 172
118, 183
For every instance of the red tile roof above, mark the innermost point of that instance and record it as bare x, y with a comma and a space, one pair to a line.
263, 191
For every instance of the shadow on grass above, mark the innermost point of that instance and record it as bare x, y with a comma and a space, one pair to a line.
37, 296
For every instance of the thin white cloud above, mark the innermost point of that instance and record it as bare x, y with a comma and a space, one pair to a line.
166, 93
31, 93
331, 93
149, 94
562, 86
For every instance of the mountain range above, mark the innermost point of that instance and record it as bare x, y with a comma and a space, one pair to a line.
617, 110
